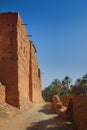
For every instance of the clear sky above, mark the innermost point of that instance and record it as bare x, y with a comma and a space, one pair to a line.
59, 32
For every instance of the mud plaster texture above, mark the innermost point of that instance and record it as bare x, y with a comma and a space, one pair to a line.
19, 70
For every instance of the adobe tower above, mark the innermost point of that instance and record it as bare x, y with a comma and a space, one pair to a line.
19, 70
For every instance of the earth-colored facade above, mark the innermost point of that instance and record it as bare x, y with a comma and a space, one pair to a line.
19, 70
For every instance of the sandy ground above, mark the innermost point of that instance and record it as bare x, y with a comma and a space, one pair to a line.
38, 117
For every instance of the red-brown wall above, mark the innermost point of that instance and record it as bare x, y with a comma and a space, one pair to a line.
23, 63
35, 76
18, 64
8, 56
80, 111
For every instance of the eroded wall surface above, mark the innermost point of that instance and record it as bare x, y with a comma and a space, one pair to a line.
18, 63
2, 93
35, 76
23, 53
80, 111
65, 100
8, 56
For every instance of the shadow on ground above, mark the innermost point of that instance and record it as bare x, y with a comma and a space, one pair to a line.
47, 109
61, 122
52, 124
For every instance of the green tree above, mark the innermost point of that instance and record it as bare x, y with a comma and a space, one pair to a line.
82, 82
52, 89
78, 82
66, 82
56, 86
47, 92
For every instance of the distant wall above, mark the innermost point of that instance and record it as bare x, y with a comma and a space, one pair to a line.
2, 93
80, 111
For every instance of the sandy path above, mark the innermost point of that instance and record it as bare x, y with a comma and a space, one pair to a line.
40, 117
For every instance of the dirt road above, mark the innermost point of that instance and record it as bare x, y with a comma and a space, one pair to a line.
40, 117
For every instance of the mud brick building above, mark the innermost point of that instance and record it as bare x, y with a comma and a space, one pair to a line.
19, 70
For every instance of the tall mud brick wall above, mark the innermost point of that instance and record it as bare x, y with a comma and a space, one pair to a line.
8, 56
23, 53
18, 65
35, 77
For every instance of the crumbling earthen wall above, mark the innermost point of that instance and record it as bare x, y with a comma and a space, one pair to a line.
2, 93
65, 100
35, 77
80, 111
23, 53
18, 64
8, 56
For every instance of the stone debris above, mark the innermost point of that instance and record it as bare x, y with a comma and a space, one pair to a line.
57, 104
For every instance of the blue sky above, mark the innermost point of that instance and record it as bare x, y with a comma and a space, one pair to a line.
59, 32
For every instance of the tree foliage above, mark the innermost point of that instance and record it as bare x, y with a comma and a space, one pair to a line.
63, 87
57, 87
82, 82
66, 81
52, 89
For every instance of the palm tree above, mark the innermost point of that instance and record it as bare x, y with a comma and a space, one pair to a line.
82, 83
78, 82
56, 86
66, 82
52, 89
85, 84
84, 77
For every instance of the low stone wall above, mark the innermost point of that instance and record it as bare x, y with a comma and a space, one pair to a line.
80, 111
2, 93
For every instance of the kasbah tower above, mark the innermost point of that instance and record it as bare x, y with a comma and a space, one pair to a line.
19, 70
